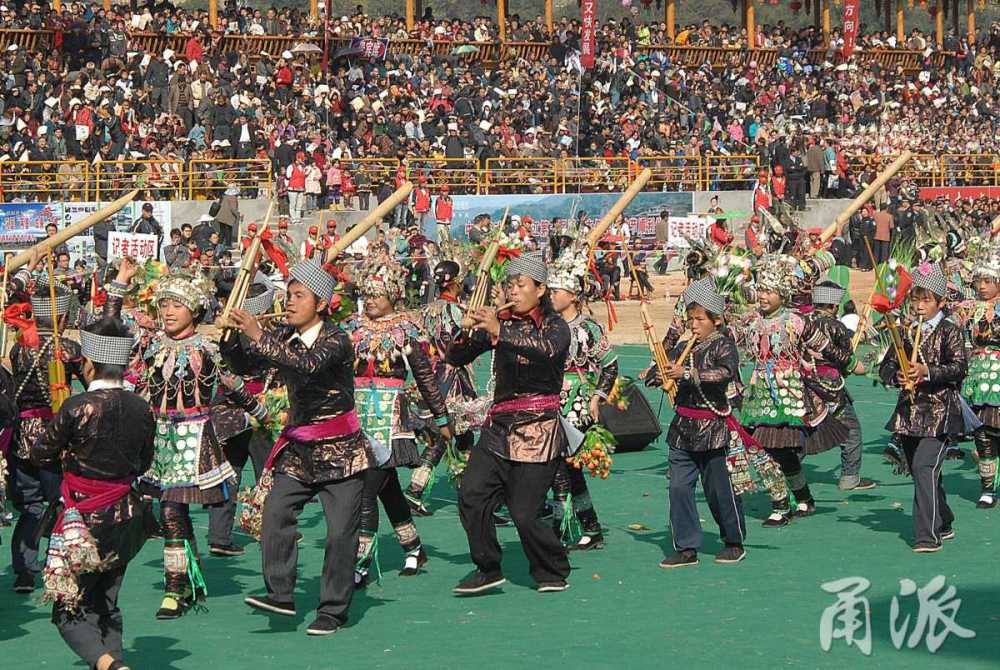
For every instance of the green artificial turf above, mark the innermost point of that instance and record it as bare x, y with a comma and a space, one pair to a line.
622, 609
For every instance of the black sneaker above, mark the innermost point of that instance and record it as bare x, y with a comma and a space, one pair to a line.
681, 559
777, 520
926, 548
954, 454
268, 604
225, 550
323, 625
804, 509
416, 504
478, 582
553, 587
948, 533
168, 613
24, 583
733, 553
986, 501
413, 562
863, 485
588, 543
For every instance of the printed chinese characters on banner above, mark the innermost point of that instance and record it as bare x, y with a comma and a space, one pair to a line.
852, 17
131, 245
588, 33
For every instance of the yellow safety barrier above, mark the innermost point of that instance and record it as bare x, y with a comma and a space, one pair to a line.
44, 181
460, 175
923, 169
730, 172
673, 173
208, 179
156, 179
595, 174
970, 169
522, 175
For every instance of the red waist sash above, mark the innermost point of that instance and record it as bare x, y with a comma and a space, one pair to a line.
95, 495
731, 423
345, 424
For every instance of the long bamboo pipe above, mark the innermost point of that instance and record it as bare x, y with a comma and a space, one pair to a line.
50, 243
370, 219
612, 214
888, 173
995, 226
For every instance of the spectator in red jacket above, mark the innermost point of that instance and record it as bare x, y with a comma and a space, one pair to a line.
719, 233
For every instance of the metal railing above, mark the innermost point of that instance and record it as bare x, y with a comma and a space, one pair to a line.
37, 181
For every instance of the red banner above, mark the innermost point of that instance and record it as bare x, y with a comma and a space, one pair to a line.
852, 17
959, 192
588, 33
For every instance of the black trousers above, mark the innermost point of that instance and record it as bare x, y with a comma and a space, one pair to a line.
490, 480
931, 514
727, 508
31, 489
248, 445
383, 485
95, 628
881, 251
341, 502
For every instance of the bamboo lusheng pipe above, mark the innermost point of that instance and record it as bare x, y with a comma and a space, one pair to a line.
58, 390
241, 286
478, 297
866, 195
69, 232
995, 226
911, 386
3, 310
669, 385
612, 214
370, 219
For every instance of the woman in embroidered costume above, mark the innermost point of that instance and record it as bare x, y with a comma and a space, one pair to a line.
179, 372
591, 373
387, 343
981, 388
442, 319
783, 414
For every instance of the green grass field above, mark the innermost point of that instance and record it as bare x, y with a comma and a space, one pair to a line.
622, 610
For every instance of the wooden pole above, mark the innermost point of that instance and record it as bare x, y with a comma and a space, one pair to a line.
370, 219
314, 9
887, 16
248, 268
411, 11
612, 215
890, 171
826, 23
670, 18
549, 21
970, 20
90, 220
939, 23
213, 13
900, 24
995, 226
751, 22
502, 19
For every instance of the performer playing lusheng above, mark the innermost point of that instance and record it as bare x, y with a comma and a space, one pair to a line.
591, 372
387, 344
981, 388
932, 411
833, 365
700, 432
179, 371
31, 486
522, 439
103, 440
322, 452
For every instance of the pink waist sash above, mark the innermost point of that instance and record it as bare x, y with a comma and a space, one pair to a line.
97, 495
7, 435
529, 403
731, 423
345, 424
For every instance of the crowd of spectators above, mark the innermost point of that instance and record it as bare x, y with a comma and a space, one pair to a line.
99, 96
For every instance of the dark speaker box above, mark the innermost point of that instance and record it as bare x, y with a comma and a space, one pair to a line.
635, 428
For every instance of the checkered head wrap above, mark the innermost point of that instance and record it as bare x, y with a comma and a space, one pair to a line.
930, 276
260, 303
827, 292
704, 293
312, 275
530, 265
106, 349
41, 304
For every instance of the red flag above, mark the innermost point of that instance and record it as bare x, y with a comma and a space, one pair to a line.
883, 303
17, 315
852, 17
588, 33
277, 256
